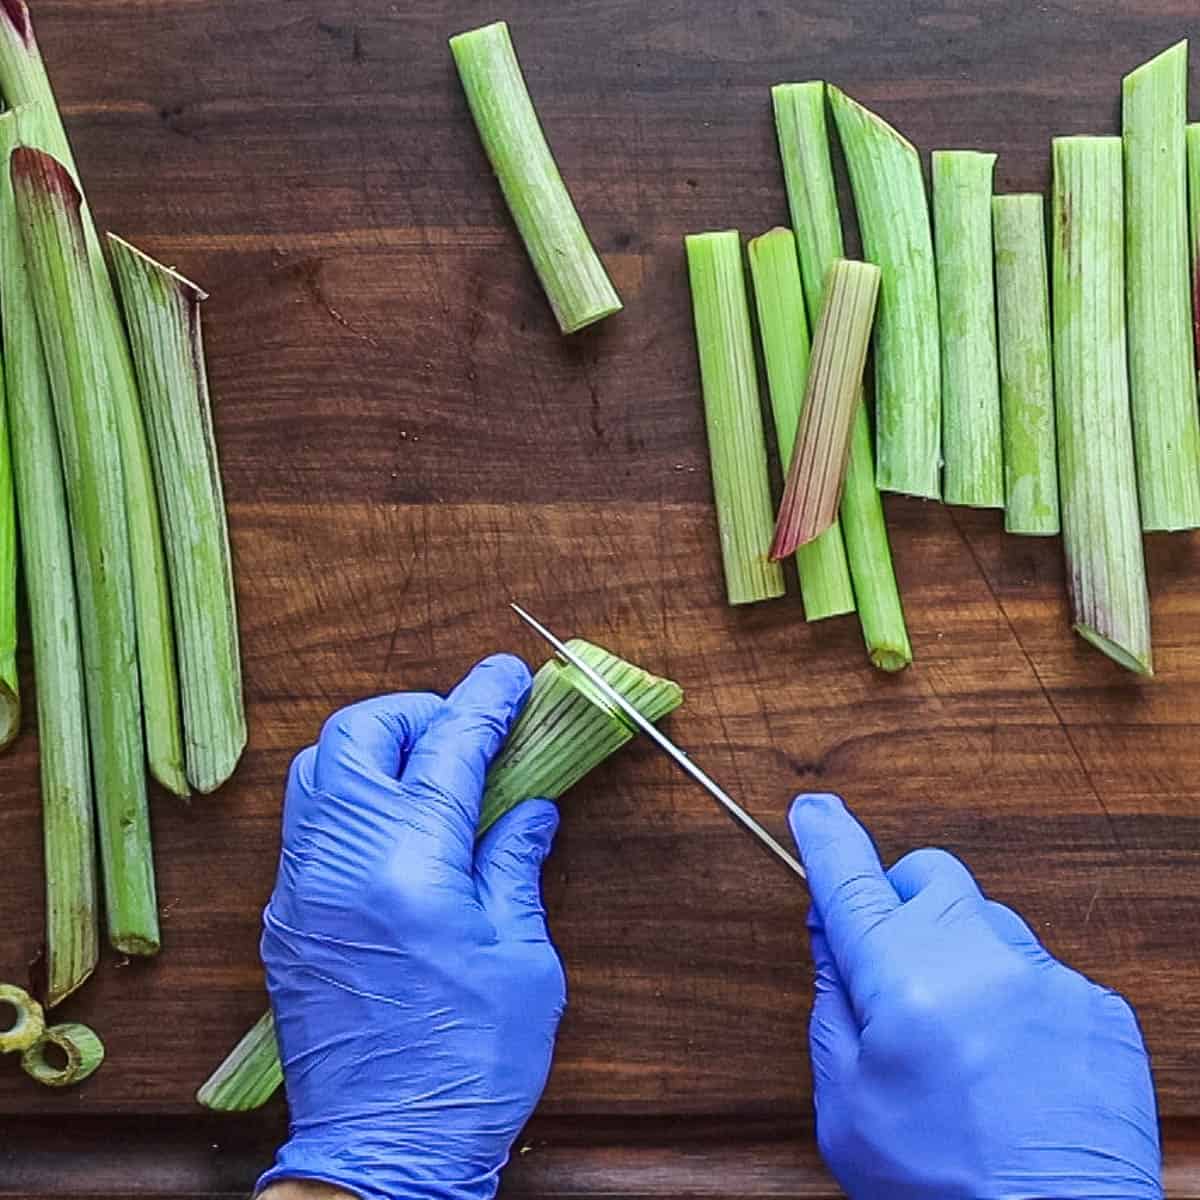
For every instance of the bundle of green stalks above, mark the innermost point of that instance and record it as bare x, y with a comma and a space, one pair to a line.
567, 729
115, 492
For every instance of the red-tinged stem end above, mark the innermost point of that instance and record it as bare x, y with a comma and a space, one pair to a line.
43, 173
17, 14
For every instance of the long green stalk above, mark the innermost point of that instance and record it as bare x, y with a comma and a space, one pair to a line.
1193, 160
566, 730
10, 692
575, 281
23, 81
973, 458
893, 217
68, 822
48, 209
1162, 367
162, 310
1026, 365
733, 416
783, 330
1102, 535
834, 393
812, 198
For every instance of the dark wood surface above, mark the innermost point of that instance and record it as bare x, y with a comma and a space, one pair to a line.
408, 443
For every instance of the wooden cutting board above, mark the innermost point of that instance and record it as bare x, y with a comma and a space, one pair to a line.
408, 443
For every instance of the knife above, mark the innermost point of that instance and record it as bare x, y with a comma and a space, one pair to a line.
681, 759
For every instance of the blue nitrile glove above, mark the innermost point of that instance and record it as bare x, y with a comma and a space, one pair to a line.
952, 1056
416, 991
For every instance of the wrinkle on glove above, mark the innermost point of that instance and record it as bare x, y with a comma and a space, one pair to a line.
953, 1057
416, 992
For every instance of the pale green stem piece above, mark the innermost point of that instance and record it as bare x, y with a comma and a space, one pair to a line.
972, 453
733, 416
1102, 533
23, 81
832, 397
81, 1048
783, 329
68, 821
27, 1023
893, 217
10, 691
812, 198
1162, 366
1193, 159
64, 296
1026, 365
566, 730
162, 311
575, 281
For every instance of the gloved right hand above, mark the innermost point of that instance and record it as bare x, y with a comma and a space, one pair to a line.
953, 1057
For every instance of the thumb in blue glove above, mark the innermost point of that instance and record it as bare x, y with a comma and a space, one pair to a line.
415, 989
952, 1055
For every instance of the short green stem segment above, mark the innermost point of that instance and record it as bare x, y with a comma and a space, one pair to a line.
566, 729
1026, 365
48, 207
973, 458
893, 217
1162, 368
23, 81
68, 821
1102, 534
25, 1025
834, 394
82, 1050
733, 415
162, 311
812, 197
575, 281
10, 692
783, 328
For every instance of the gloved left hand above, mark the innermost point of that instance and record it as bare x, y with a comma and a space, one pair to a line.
415, 989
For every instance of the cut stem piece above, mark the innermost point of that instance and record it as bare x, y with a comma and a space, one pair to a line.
835, 381
68, 822
23, 81
783, 329
575, 281
82, 1049
566, 730
10, 692
162, 311
27, 1022
1162, 367
251, 1074
1193, 159
48, 210
973, 460
893, 217
812, 197
1026, 365
733, 415
1102, 535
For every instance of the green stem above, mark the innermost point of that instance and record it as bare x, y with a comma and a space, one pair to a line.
733, 415
1102, 535
565, 730
893, 217
28, 1021
79, 1047
812, 197
162, 310
10, 692
68, 821
783, 330
574, 279
973, 460
23, 81
48, 211
1026, 365
1162, 368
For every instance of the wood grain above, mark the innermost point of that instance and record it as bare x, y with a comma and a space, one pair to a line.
408, 443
